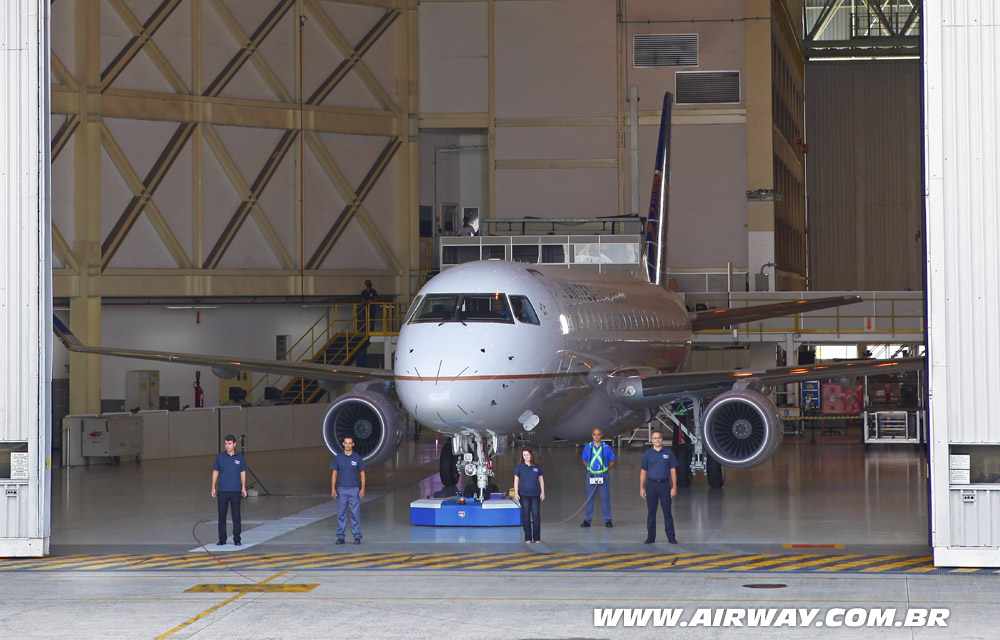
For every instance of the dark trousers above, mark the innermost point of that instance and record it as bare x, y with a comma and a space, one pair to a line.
658, 493
230, 500
531, 520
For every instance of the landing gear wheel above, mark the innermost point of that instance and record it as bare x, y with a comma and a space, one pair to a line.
446, 467
716, 477
683, 453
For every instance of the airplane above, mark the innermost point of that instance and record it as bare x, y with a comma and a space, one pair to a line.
492, 348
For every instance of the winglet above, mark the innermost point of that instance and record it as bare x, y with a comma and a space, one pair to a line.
65, 335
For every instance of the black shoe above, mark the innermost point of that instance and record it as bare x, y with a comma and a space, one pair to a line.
648, 541
220, 543
585, 524
672, 540
609, 524
357, 541
237, 543
340, 541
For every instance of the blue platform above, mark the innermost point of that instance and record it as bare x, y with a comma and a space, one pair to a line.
448, 512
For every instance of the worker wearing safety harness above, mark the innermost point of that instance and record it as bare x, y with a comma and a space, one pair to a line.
598, 458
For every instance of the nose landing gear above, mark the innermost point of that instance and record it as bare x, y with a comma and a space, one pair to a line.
471, 455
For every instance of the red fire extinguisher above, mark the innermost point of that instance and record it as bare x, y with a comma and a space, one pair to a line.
199, 393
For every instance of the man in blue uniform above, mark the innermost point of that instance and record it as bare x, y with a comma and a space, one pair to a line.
598, 458
229, 484
658, 484
347, 485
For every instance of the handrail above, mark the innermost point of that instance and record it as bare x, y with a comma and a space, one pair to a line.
346, 321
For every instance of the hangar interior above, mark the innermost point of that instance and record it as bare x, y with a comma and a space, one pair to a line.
226, 175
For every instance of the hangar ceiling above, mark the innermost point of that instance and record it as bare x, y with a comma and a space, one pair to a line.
227, 147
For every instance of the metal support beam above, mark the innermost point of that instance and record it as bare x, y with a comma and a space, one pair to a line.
340, 224
343, 187
152, 50
823, 21
271, 79
349, 62
140, 200
246, 192
137, 42
140, 193
338, 40
249, 49
877, 10
63, 135
249, 202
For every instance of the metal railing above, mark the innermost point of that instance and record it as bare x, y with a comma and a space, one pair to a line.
344, 322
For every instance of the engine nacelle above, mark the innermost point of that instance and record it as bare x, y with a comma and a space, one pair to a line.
742, 428
371, 418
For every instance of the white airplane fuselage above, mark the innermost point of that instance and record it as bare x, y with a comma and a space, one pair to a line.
453, 376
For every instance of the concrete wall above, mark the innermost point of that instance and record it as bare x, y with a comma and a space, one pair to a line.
561, 70
199, 432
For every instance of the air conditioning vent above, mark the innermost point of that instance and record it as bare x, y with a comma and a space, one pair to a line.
654, 50
708, 87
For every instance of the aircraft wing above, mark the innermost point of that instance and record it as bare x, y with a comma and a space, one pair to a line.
725, 318
225, 366
655, 388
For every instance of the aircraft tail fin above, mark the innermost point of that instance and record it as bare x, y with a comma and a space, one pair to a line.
656, 221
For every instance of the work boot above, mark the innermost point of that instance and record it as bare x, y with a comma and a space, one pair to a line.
609, 524
585, 524
340, 541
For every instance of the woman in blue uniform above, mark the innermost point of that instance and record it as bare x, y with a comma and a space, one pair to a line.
529, 490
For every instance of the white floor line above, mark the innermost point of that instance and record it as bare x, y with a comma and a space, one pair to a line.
272, 529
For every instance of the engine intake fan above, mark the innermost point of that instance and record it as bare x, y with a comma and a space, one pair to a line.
742, 428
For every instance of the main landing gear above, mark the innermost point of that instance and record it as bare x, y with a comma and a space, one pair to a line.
688, 444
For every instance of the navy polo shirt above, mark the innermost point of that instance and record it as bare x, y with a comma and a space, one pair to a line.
658, 463
528, 480
229, 468
348, 468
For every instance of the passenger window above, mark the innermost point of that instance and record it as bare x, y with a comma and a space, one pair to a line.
523, 310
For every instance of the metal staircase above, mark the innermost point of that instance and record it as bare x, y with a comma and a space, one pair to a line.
341, 349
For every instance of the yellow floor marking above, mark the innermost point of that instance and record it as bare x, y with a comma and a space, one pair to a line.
77, 561
671, 561
965, 570
289, 560
251, 588
925, 569
546, 560
207, 612
727, 562
450, 564
896, 565
22, 562
649, 559
116, 564
583, 560
399, 562
435, 558
761, 564
820, 561
812, 546
515, 559
351, 558
187, 560
858, 563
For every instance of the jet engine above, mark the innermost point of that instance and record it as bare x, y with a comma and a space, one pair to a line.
371, 417
742, 428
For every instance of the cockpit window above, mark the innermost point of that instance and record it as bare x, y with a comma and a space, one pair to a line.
413, 308
464, 307
523, 310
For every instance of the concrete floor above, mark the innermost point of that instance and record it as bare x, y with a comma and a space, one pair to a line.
824, 493
504, 605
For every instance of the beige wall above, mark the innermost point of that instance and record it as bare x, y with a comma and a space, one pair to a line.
864, 175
